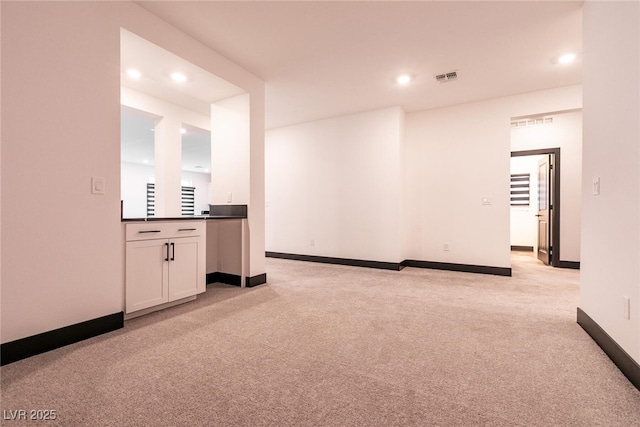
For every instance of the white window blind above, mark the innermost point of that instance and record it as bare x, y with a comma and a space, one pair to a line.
520, 189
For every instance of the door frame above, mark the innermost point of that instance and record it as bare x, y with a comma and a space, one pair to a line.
554, 218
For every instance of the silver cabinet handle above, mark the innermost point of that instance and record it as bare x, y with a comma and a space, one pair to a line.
149, 231
187, 229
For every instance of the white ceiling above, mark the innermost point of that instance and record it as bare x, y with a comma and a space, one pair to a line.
156, 66
322, 59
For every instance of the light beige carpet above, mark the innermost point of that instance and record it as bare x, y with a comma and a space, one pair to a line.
325, 345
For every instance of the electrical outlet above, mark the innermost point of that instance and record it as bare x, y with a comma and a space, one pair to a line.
596, 186
312, 242
626, 308
445, 247
229, 197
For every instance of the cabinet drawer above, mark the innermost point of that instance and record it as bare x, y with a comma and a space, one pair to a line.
163, 230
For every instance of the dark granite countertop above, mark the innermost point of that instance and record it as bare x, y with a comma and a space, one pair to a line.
183, 218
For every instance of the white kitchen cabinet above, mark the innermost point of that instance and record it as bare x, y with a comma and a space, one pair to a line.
165, 262
183, 267
147, 274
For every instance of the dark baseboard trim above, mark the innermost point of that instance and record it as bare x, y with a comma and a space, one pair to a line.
36, 344
396, 266
569, 264
629, 367
340, 261
236, 280
260, 279
466, 268
522, 248
226, 278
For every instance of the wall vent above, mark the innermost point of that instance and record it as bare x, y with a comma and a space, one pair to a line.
447, 77
534, 121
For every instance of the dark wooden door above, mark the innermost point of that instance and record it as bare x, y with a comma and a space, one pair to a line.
544, 207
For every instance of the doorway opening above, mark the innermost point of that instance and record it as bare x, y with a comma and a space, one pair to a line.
545, 206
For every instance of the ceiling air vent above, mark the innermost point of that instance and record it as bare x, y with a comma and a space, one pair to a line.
447, 77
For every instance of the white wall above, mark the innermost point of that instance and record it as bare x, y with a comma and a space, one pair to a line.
61, 119
381, 186
66, 266
202, 183
133, 189
455, 157
524, 224
610, 264
230, 142
337, 182
565, 133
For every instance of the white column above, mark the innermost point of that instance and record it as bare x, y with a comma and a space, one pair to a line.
230, 151
256, 209
168, 159
237, 168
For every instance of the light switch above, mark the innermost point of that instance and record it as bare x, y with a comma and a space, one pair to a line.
97, 185
486, 201
229, 197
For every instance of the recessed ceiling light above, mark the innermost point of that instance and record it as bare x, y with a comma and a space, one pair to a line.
133, 73
179, 77
183, 131
403, 79
567, 58
145, 161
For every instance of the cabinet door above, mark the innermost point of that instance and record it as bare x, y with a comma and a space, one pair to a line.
146, 274
183, 267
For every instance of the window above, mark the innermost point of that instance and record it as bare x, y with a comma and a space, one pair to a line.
520, 189
151, 199
188, 200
